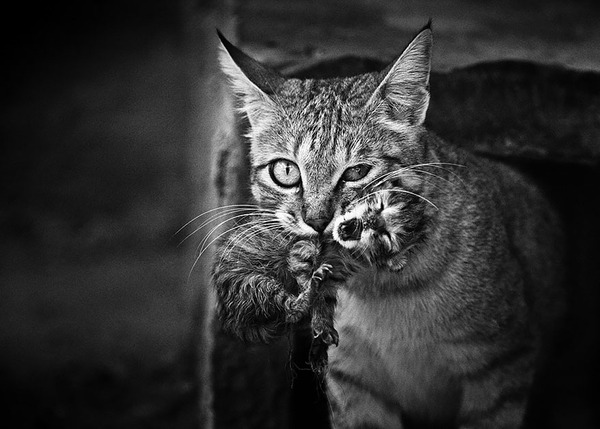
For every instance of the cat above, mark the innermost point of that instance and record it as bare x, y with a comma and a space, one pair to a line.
456, 260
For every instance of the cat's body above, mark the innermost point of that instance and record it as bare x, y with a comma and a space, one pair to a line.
455, 259
452, 337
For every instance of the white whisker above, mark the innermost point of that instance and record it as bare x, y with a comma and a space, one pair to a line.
404, 191
207, 236
415, 168
251, 231
217, 216
205, 244
200, 253
229, 206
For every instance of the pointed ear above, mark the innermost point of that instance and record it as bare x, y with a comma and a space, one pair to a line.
402, 96
252, 82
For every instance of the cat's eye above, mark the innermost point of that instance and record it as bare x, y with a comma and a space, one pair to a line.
284, 173
355, 173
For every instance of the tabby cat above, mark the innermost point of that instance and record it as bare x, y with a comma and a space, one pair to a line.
453, 283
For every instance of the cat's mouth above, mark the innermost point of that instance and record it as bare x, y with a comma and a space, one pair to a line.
350, 230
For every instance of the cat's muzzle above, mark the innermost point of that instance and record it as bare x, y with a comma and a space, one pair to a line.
350, 230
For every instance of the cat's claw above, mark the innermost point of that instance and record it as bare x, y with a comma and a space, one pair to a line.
327, 336
322, 272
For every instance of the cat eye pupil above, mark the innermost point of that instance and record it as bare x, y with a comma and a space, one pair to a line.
355, 173
284, 173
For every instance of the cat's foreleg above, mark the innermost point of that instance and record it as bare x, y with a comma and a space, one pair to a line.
355, 405
497, 396
506, 412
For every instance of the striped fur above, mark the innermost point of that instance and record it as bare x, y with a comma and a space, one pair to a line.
449, 285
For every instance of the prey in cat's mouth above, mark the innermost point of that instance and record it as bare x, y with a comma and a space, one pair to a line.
372, 225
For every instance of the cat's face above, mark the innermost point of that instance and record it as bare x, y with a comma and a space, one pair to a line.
320, 153
318, 147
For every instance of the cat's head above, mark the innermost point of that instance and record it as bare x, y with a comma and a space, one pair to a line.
319, 146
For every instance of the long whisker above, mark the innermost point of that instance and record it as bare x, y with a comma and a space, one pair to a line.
215, 217
207, 236
405, 172
364, 197
415, 169
429, 173
229, 206
379, 179
260, 217
205, 244
443, 165
201, 252
248, 210
263, 226
251, 231
404, 191
247, 234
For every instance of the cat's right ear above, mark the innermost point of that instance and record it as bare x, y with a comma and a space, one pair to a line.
251, 81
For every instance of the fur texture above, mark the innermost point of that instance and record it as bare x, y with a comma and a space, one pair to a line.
267, 281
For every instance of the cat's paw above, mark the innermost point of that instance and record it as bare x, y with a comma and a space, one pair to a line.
321, 273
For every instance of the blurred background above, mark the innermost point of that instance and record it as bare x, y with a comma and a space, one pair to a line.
117, 130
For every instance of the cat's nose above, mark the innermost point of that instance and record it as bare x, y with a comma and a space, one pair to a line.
318, 224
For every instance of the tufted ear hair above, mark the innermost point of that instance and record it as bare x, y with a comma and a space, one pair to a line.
252, 82
402, 96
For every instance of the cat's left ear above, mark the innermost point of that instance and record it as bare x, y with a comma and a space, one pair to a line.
402, 96
252, 82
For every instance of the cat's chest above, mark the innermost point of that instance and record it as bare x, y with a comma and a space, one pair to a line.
391, 324
393, 344
390, 308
